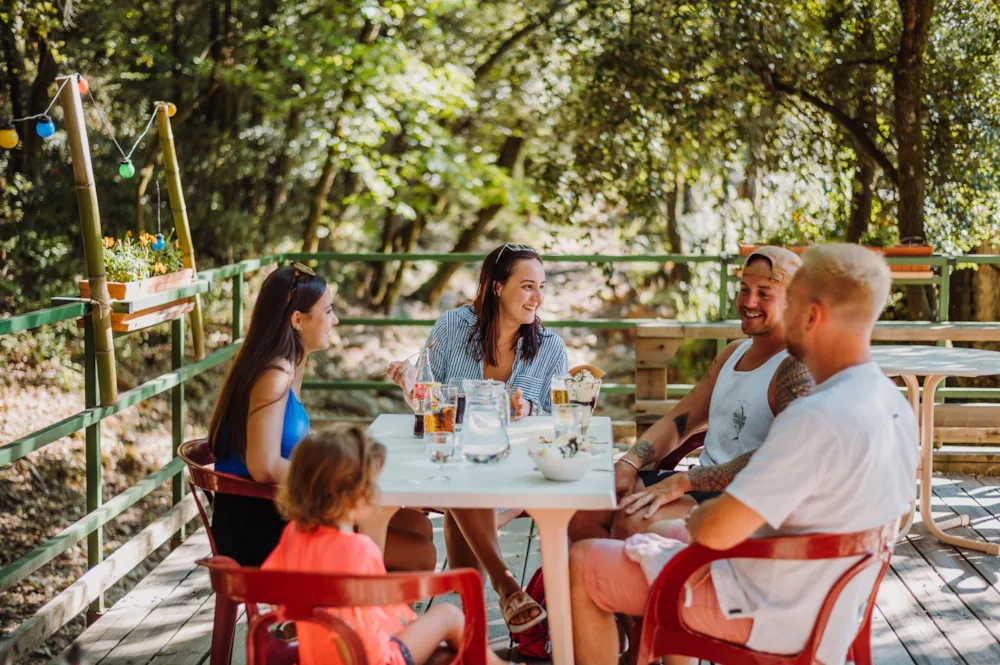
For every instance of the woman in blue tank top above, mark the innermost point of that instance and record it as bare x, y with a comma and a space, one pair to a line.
259, 419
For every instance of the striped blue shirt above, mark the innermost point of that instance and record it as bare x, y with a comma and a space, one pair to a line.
453, 359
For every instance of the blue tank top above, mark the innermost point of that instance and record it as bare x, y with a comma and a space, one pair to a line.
293, 429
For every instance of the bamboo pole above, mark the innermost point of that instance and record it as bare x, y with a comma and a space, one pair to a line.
93, 245
179, 209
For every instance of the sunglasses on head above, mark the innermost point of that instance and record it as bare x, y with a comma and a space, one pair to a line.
299, 270
514, 248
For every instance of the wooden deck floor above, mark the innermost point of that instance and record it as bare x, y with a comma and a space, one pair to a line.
937, 604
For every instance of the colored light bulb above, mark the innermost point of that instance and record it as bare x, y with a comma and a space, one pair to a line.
83, 84
8, 136
45, 127
171, 110
125, 168
159, 244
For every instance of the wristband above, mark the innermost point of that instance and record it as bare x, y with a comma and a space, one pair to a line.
630, 463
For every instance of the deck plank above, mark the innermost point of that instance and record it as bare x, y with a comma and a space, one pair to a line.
886, 647
948, 610
122, 618
920, 636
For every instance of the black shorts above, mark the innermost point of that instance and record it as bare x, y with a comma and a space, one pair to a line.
246, 528
650, 478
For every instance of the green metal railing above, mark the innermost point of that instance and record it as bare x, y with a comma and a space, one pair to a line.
89, 419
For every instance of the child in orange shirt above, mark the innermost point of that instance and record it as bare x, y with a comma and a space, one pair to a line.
330, 487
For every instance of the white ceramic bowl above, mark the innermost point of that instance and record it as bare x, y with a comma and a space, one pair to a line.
562, 468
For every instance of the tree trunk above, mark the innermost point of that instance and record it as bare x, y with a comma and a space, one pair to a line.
321, 192
38, 99
409, 244
390, 236
986, 286
679, 272
862, 196
14, 63
863, 183
432, 290
907, 86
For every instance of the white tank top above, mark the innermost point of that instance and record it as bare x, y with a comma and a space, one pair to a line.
739, 416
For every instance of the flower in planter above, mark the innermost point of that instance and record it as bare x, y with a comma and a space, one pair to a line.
129, 260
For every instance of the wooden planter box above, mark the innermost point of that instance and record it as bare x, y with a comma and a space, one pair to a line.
898, 250
121, 322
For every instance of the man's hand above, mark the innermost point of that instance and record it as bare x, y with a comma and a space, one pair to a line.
657, 496
519, 406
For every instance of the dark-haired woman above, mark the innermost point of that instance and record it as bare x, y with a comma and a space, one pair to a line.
499, 337
259, 419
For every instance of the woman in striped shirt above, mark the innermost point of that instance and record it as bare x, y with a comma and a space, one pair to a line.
499, 337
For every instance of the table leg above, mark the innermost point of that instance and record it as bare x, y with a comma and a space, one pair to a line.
552, 524
927, 458
913, 395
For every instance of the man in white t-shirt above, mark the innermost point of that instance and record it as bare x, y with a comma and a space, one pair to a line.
840, 460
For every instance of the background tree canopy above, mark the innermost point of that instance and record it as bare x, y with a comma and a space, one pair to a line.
439, 124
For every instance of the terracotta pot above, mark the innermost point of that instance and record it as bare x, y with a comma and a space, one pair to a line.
907, 250
747, 250
122, 322
135, 290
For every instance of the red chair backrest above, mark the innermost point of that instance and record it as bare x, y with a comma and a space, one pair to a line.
664, 633
303, 596
198, 458
689, 445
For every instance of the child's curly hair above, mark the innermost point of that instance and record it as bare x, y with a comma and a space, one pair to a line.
332, 470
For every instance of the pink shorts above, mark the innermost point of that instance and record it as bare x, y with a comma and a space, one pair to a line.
617, 584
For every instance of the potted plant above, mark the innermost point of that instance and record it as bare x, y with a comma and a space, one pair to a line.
914, 246
136, 268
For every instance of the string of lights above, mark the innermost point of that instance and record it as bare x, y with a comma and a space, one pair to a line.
45, 127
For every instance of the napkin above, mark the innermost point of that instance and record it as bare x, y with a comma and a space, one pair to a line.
529, 428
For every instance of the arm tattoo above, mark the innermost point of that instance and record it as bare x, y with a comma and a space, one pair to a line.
716, 478
792, 380
681, 422
644, 452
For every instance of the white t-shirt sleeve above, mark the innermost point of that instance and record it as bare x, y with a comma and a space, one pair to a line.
795, 461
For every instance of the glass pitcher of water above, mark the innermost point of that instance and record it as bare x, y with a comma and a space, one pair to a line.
484, 427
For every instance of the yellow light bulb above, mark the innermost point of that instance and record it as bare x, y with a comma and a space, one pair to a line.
8, 137
171, 110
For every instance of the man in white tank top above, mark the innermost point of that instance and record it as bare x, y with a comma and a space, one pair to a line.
749, 383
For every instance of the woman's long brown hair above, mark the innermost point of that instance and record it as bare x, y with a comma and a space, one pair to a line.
269, 339
484, 336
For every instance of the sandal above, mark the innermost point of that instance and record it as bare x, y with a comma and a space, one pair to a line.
517, 603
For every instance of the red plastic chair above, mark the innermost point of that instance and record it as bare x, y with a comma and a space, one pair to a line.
663, 632
298, 596
198, 458
689, 445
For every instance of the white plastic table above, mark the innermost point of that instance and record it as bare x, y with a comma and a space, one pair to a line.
512, 483
935, 364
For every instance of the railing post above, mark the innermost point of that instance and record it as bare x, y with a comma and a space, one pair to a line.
238, 305
723, 296
177, 406
944, 290
95, 493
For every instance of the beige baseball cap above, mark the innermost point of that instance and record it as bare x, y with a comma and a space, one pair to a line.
784, 264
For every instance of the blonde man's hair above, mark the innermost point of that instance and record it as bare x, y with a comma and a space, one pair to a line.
332, 470
852, 279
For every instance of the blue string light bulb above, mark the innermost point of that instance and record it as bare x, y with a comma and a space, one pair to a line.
126, 169
159, 244
45, 127
8, 136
